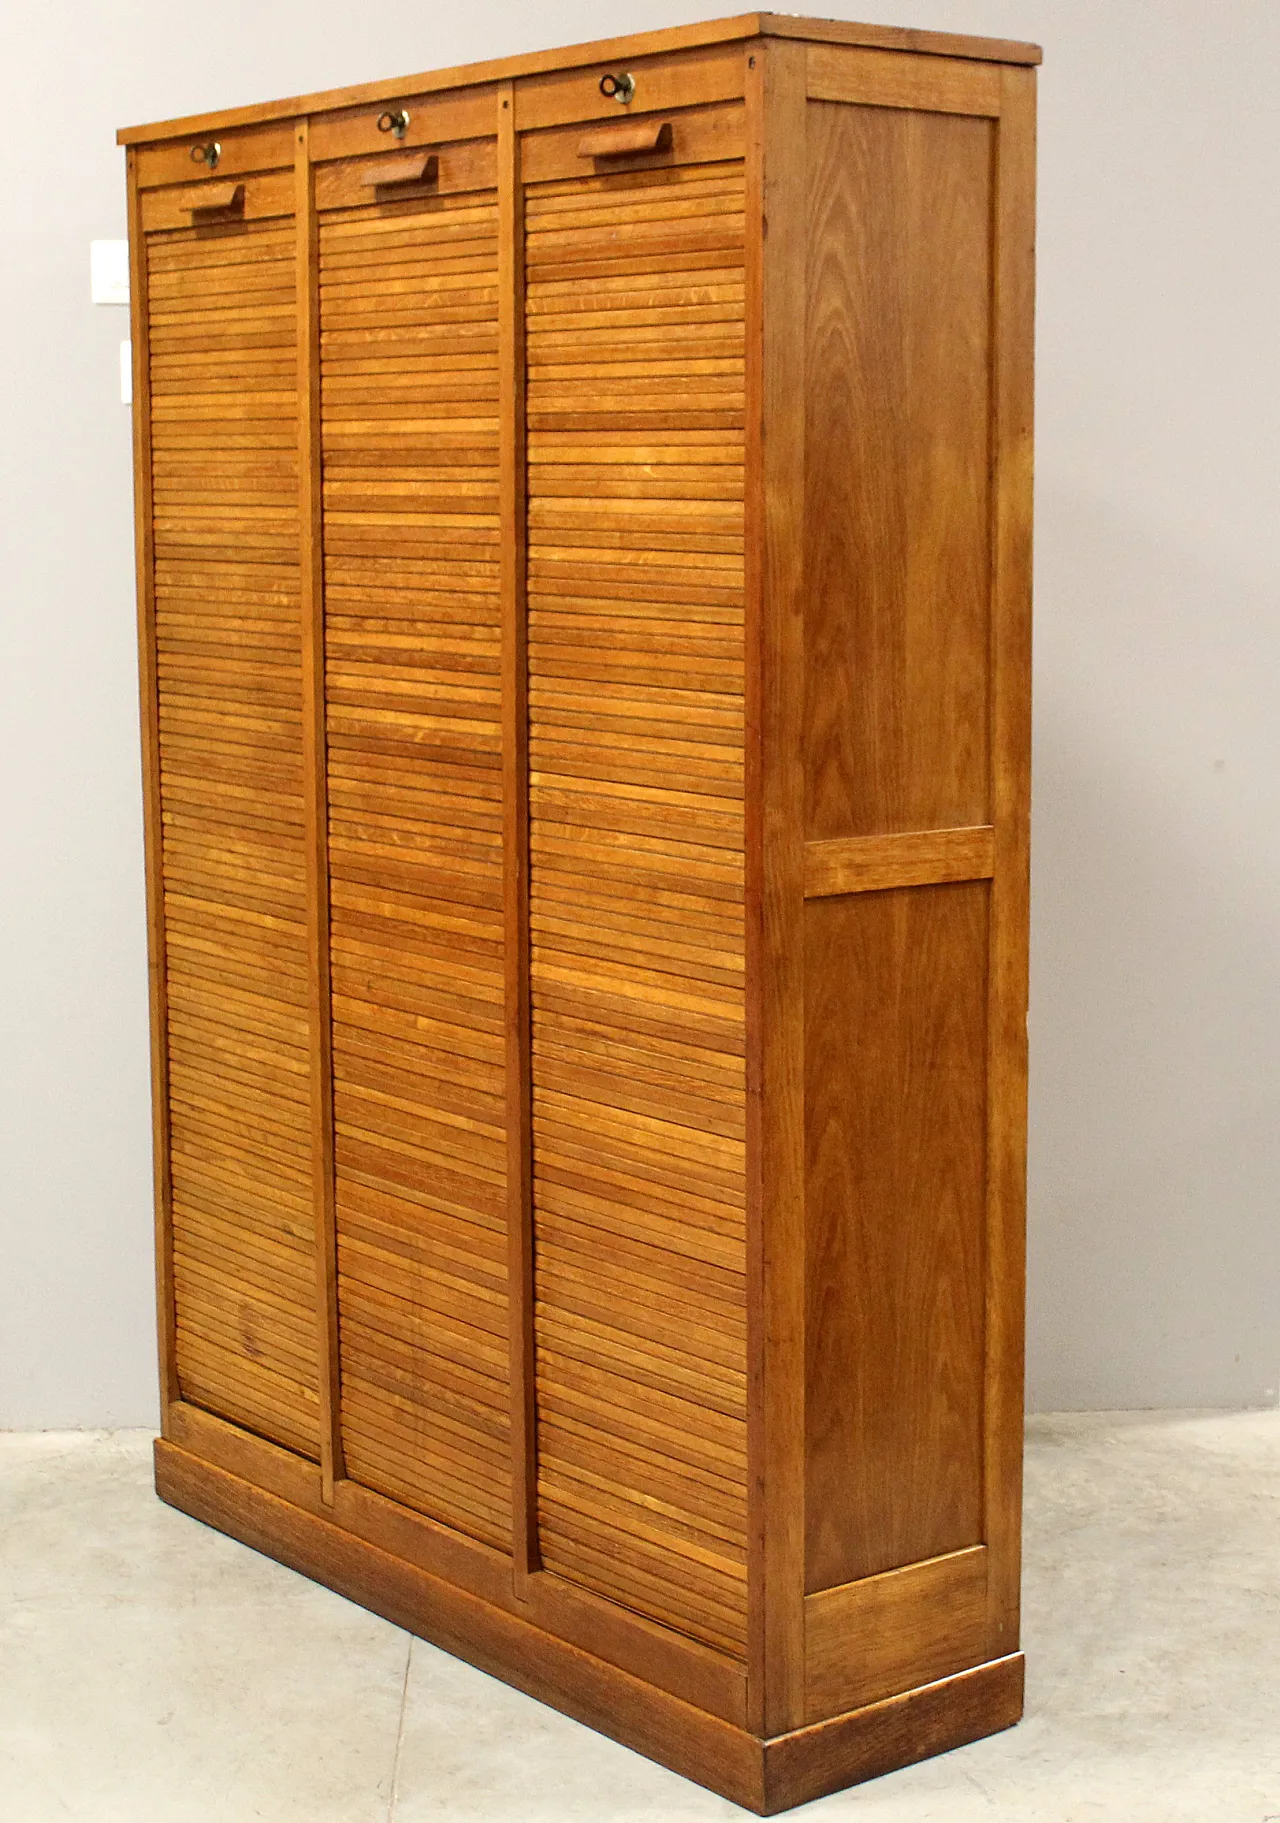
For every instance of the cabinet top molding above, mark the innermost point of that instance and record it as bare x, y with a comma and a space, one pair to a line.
602, 50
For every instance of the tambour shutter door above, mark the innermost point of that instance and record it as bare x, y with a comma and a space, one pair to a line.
408, 312
635, 403
222, 342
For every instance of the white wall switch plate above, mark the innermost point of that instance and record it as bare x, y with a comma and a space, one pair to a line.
126, 373
109, 272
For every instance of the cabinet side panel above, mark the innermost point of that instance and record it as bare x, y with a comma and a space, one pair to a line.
223, 368
409, 424
896, 1014
897, 474
635, 410
915, 711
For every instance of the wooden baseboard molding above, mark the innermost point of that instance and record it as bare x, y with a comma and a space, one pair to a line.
762, 1776
932, 1719
705, 1679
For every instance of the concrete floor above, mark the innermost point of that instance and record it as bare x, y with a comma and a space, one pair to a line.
150, 1668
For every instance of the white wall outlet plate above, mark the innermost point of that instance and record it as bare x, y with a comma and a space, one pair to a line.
109, 272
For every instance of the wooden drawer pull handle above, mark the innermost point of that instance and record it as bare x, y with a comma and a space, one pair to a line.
416, 168
218, 200
616, 142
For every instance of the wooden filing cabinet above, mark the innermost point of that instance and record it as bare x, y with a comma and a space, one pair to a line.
584, 573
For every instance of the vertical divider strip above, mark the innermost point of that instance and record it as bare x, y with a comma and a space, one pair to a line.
1013, 399
775, 374
515, 842
315, 792
152, 820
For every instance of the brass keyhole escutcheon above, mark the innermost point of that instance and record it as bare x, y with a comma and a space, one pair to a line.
396, 122
618, 88
207, 155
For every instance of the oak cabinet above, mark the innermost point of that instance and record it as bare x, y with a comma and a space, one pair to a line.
584, 574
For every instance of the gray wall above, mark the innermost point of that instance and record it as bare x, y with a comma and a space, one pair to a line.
1155, 1244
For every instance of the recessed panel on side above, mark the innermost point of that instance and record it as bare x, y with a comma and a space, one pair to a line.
895, 1210
409, 389
897, 470
221, 334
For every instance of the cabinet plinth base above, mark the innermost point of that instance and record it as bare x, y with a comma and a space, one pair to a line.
765, 1776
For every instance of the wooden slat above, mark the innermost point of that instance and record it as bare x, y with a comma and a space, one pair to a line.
233, 863
636, 851
927, 857
415, 639
315, 788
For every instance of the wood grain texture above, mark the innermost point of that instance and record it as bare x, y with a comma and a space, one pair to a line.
706, 74
603, 51
930, 857
400, 169
677, 1665
410, 404
316, 789
885, 1634
701, 1746
848, 1749
152, 808
658, 1654
346, 184
260, 148
625, 139
228, 652
635, 745
253, 1459
775, 894
897, 510
895, 1135
460, 120
255, 198
900, 38
584, 620
887, 79
699, 135
1010, 905
215, 200
513, 512
763, 1776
